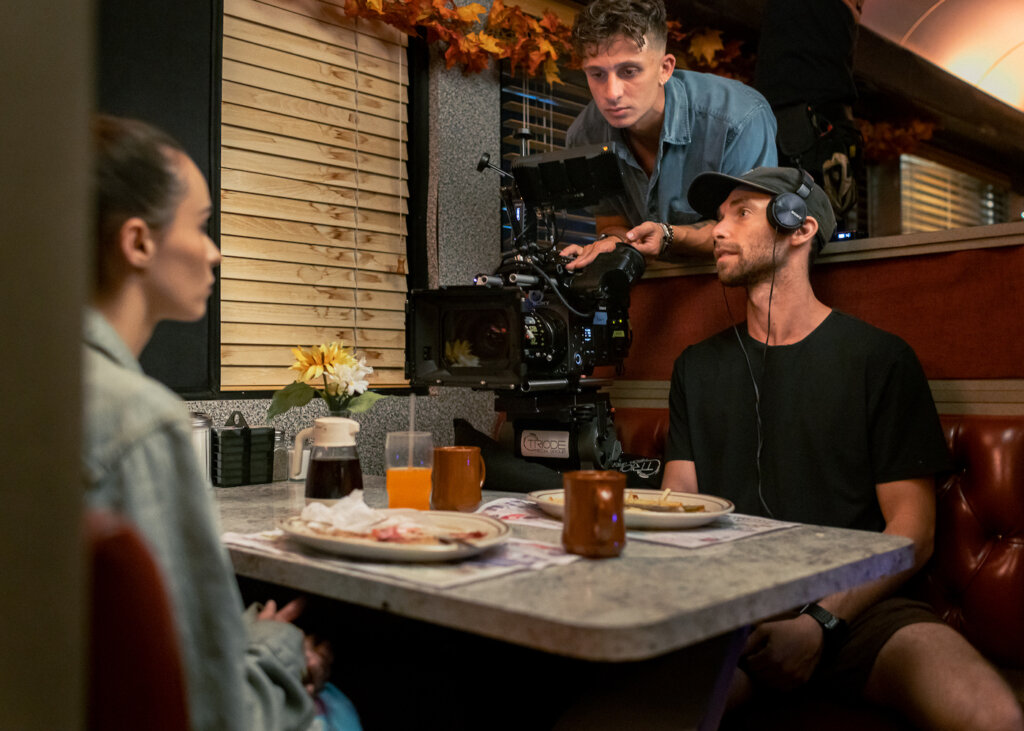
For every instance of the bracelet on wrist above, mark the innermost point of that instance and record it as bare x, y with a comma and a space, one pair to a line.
667, 237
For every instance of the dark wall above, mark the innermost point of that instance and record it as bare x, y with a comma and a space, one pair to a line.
159, 61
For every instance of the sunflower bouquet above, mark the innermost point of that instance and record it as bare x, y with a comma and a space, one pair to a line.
344, 378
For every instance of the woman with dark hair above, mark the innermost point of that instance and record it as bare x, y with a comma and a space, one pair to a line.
155, 261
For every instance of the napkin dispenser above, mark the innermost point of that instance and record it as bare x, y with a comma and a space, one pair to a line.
241, 455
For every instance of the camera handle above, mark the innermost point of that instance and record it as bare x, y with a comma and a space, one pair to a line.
521, 216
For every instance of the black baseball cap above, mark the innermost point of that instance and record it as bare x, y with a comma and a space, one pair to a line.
709, 190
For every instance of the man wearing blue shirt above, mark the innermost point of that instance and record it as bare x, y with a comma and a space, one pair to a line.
669, 127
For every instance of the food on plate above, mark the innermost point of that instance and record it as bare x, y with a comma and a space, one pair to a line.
636, 501
351, 518
659, 504
392, 530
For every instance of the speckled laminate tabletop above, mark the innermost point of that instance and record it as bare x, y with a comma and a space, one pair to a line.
649, 601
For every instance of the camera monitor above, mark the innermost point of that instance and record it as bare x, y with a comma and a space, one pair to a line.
570, 178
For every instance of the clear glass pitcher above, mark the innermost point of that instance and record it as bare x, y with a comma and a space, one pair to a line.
334, 469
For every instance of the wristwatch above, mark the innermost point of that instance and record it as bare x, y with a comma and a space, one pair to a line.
834, 628
667, 236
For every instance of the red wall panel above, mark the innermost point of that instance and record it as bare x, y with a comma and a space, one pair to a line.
961, 312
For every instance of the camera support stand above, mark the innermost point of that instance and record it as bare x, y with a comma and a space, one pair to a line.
561, 430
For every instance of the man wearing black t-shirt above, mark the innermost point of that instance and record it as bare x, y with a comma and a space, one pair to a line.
807, 414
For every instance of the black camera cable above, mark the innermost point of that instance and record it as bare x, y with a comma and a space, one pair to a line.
554, 288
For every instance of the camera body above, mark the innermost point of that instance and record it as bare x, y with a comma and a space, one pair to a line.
523, 331
534, 331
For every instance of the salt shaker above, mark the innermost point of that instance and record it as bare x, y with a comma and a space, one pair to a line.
282, 455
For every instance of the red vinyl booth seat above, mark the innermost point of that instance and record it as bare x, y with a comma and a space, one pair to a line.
975, 579
135, 673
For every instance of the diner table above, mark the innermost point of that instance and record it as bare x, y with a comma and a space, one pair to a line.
652, 634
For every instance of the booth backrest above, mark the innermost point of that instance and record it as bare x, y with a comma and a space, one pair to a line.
976, 576
975, 579
135, 671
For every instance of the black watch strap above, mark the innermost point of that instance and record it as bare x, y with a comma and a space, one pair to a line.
835, 629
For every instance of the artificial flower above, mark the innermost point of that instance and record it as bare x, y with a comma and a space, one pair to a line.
344, 379
458, 352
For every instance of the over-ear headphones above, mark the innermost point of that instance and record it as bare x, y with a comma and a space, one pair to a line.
788, 211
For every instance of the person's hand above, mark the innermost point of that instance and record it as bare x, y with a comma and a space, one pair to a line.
645, 238
319, 659
783, 654
586, 254
288, 613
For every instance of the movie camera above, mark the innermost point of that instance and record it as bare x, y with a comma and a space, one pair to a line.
534, 331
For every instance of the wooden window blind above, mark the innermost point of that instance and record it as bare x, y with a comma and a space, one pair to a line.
313, 189
935, 197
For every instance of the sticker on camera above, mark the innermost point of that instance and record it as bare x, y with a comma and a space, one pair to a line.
546, 444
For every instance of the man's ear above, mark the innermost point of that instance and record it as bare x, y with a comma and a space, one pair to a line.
806, 233
668, 65
136, 243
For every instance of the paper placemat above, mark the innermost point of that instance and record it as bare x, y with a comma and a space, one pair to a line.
731, 527
517, 510
510, 557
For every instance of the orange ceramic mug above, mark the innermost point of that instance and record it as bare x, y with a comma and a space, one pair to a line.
593, 521
458, 478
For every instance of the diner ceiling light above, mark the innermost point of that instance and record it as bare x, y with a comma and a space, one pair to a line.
979, 41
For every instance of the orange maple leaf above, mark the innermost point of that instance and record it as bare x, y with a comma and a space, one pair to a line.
675, 31
544, 46
705, 45
443, 11
485, 42
471, 13
551, 72
551, 23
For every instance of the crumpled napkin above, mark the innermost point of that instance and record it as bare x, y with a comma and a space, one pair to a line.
353, 515
350, 513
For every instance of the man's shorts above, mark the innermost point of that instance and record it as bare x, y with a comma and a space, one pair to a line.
847, 671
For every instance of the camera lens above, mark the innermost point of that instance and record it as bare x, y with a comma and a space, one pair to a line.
543, 338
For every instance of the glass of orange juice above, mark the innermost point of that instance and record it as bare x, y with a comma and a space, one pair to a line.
408, 460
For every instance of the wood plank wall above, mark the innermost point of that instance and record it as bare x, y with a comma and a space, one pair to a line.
313, 189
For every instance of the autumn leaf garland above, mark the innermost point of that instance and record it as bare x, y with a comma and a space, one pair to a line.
471, 41
472, 36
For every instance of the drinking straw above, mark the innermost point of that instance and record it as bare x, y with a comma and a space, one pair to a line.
412, 424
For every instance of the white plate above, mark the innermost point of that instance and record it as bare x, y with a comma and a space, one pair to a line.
552, 502
440, 522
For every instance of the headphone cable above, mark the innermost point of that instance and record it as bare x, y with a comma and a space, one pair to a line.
753, 379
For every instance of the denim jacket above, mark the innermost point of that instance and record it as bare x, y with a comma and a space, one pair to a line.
711, 123
139, 460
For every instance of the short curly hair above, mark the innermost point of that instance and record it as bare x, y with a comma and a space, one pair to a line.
641, 21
